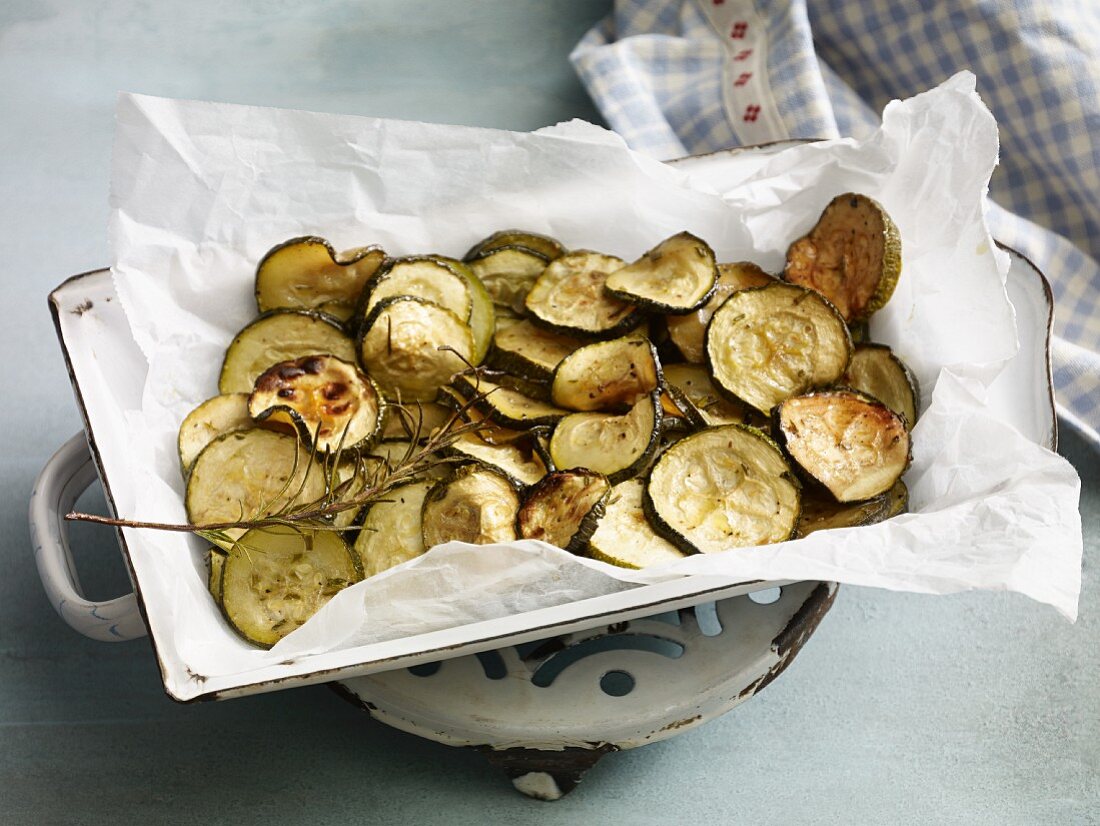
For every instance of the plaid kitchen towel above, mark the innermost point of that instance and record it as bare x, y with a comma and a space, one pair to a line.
679, 77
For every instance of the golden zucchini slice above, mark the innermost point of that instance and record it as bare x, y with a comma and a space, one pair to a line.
482, 313
820, 513
508, 273
851, 443
570, 298
616, 446
544, 245
399, 345
767, 344
505, 406
852, 256
274, 579
423, 277
607, 375
723, 487
705, 405
564, 508
308, 274
529, 351
211, 419
331, 403
475, 505
390, 529
518, 461
281, 335
624, 536
688, 332
876, 371
676, 276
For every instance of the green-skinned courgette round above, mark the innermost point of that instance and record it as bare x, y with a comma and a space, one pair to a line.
852, 256
476, 505
280, 335
876, 371
624, 536
564, 508
211, 419
688, 332
399, 345
720, 488
506, 406
616, 446
482, 313
276, 578
215, 562
705, 406
544, 245
389, 531
822, 512
570, 298
849, 442
424, 277
517, 460
766, 344
607, 375
675, 277
529, 351
508, 273
308, 274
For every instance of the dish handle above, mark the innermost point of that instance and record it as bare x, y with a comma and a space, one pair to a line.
67, 474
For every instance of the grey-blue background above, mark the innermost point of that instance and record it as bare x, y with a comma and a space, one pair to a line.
971, 709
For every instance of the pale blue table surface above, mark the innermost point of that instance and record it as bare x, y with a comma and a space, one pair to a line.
970, 709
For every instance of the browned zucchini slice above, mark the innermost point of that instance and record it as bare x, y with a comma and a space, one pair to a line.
211, 419
508, 273
852, 256
476, 505
390, 528
544, 245
280, 335
606, 375
766, 344
424, 277
518, 460
529, 351
308, 274
820, 513
705, 405
330, 402
400, 343
276, 578
723, 487
851, 443
569, 298
676, 276
564, 508
624, 536
616, 446
876, 371
506, 406
688, 332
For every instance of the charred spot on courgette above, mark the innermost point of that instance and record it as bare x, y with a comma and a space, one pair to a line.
564, 508
676, 276
606, 375
877, 371
424, 277
505, 406
331, 403
624, 536
570, 298
693, 391
766, 344
851, 443
308, 274
544, 245
822, 512
211, 419
688, 332
529, 351
390, 528
852, 256
274, 579
508, 273
720, 488
476, 505
616, 446
400, 347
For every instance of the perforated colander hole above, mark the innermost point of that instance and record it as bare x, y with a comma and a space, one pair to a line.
616, 683
767, 596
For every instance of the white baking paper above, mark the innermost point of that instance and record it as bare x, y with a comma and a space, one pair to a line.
200, 191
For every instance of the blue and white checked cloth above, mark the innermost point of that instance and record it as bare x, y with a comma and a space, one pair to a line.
679, 77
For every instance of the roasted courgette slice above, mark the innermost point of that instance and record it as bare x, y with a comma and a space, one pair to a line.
852, 256
400, 347
529, 351
616, 446
508, 273
506, 406
688, 332
251, 473
308, 274
851, 443
624, 536
876, 371
518, 461
424, 277
544, 245
705, 405
389, 532
482, 313
281, 335
211, 419
215, 562
564, 508
570, 298
395, 452
820, 513
766, 344
276, 578
331, 403
417, 420
607, 375
675, 277
476, 505
723, 487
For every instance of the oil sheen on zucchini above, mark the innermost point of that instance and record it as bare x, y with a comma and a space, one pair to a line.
723, 487
475, 505
876, 371
390, 529
308, 274
424, 277
624, 536
211, 419
564, 508
767, 344
276, 578
518, 461
616, 446
676, 276
688, 332
569, 297
606, 375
